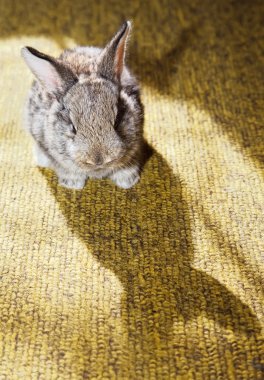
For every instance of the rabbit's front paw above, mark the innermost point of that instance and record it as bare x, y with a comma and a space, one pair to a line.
41, 159
72, 183
126, 178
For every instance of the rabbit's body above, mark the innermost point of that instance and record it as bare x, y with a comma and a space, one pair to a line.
85, 114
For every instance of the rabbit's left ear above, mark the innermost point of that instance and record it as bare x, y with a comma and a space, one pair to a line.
53, 75
112, 58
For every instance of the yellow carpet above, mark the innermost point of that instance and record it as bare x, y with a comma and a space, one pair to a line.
163, 281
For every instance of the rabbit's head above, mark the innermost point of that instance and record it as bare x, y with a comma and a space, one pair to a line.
91, 120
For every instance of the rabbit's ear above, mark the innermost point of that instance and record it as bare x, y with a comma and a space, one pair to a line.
113, 56
51, 73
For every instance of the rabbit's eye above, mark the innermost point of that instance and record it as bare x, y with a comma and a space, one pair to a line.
73, 129
63, 108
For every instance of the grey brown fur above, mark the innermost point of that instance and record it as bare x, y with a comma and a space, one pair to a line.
85, 114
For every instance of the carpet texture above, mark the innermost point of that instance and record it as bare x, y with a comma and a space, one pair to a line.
163, 281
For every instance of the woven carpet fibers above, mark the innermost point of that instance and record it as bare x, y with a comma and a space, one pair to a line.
163, 281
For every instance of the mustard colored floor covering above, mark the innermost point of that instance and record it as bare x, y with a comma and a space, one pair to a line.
163, 281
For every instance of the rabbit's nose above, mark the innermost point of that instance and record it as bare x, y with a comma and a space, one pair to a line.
96, 160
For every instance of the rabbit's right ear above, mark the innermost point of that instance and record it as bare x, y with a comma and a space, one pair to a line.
51, 73
112, 58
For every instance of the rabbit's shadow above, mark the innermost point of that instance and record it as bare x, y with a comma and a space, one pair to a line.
143, 235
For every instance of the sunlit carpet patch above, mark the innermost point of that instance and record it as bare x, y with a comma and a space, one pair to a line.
165, 280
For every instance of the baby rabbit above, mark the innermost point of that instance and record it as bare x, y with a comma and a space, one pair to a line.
85, 114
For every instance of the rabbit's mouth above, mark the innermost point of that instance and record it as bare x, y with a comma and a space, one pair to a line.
94, 168
99, 167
